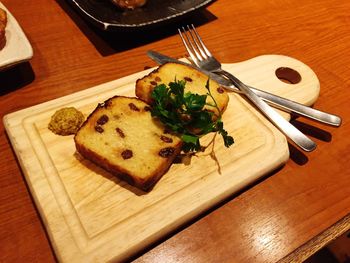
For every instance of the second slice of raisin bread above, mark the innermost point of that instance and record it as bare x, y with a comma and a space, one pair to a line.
121, 136
195, 83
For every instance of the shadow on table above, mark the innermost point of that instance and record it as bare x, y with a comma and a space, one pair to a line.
297, 155
111, 42
313, 131
16, 77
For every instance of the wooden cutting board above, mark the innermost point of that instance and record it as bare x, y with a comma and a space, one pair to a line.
91, 216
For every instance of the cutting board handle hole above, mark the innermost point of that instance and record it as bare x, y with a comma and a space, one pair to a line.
288, 75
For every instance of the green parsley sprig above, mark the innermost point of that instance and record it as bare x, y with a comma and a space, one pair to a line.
185, 115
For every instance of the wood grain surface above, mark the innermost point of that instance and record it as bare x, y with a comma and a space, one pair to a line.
266, 221
80, 204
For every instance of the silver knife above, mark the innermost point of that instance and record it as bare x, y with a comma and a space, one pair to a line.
273, 100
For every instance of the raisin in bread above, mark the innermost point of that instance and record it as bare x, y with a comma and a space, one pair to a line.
121, 136
195, 83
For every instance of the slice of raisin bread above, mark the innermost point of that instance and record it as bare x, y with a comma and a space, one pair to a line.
121, 136
195, 83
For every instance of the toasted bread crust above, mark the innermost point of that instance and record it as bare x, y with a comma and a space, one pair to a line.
2, 38
143, 184
3, 23
139, 169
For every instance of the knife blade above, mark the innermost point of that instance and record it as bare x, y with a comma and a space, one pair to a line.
276, 101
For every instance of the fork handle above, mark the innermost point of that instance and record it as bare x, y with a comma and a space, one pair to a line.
300, 139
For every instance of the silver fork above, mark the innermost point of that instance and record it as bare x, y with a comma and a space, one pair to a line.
202, 58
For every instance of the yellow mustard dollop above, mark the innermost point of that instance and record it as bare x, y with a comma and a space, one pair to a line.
66, 121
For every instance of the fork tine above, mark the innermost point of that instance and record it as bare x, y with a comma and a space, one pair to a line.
203, 49
198, 42
189, 51
196, 45
190, 47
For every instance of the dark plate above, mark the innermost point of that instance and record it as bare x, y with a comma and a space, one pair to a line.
106, 16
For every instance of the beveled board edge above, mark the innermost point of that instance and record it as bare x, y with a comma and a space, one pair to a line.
14, 120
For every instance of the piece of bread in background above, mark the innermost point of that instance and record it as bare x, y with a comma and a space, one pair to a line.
3, 23
195, 83
129, 4
121, 136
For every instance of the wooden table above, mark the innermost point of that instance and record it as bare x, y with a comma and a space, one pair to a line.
288, 215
